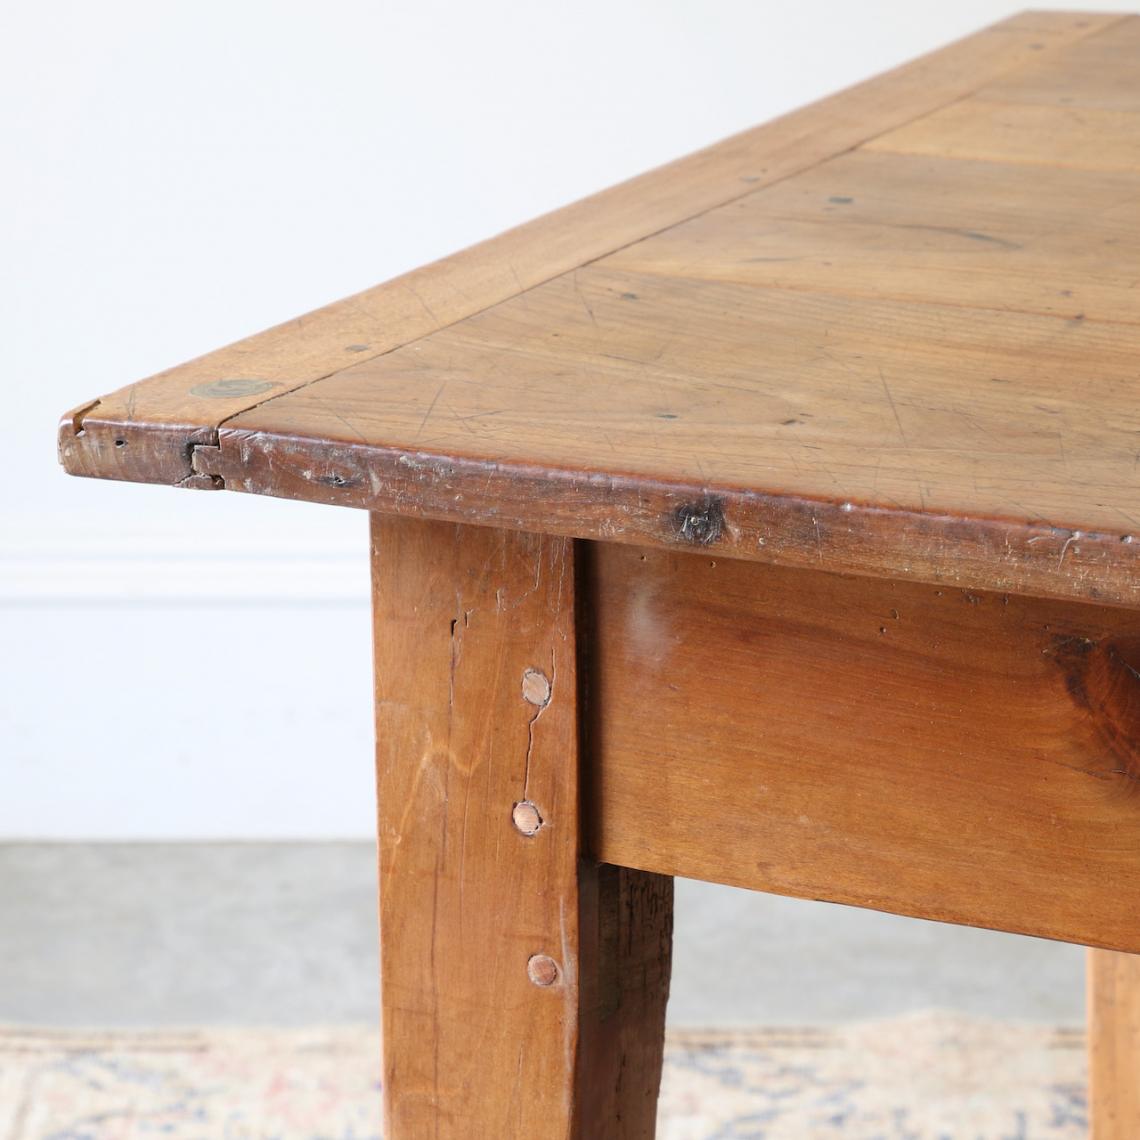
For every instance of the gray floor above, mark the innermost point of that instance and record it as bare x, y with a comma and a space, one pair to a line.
284, 934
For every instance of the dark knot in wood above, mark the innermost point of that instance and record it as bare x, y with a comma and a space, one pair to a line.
1103, 677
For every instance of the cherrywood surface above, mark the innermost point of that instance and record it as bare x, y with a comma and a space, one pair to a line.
523, 987
1114, 1045
960, 756
891, 335
768, 361
951, 232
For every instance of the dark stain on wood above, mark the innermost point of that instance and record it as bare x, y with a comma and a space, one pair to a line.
701, 523
336, 480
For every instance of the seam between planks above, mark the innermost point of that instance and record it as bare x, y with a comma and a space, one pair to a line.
965, 96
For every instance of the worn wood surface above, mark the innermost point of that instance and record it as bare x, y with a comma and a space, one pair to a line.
163, 417
961, 756
975, 447
1049, 135
1114, 1045
748, 349
948, 232
523, 987
1097, 71
1079, 111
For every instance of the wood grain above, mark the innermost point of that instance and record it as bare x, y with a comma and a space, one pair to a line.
968, 446
894, 364
1079, 109
959, 756
1114, 1045
1090, 138
1097, 71
147, 431
882, 363
523, 988
964, 233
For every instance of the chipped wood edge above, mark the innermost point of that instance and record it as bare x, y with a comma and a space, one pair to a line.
141, 433
107, 447
1002, 555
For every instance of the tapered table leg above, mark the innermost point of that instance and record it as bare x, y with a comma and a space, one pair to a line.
523, 986
1114, 1045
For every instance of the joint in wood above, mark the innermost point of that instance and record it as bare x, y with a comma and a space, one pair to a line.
542, 970
526, 818
536, 688
76, 416
203, 457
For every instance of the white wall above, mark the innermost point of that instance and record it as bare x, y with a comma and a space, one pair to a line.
178, 175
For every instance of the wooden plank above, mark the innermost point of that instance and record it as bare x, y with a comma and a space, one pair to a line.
965, 757
523, 987
147, 432
1114, 1045
914, 228
1098, 71
980, 448
1085, 137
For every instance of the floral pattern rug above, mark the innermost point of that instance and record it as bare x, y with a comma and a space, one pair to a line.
924, 1076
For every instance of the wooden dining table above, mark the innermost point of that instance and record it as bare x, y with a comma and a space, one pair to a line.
772, 519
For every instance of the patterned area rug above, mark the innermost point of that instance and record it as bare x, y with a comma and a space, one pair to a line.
919, 1077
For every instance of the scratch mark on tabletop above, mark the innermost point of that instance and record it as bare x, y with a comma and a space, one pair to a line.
426, 307
522, 293
840, 361
894, 408
431, 408
356, 307
478, 415
582, 298
351, 427
462, 421
1064, 454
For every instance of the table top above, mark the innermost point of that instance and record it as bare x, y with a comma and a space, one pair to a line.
894, 333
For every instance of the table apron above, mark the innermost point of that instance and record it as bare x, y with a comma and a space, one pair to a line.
954, 755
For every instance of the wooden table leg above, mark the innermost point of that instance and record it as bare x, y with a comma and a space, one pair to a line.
523, 985
1114, 1045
